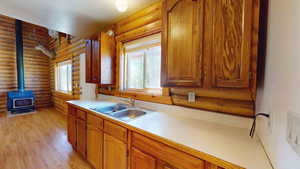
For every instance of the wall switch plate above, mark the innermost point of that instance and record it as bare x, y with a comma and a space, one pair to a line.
191, 97
293, 131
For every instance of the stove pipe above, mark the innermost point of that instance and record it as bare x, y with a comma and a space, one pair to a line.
19, 54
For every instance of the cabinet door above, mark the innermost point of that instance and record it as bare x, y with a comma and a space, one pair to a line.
81, 137
182, 43
115, 153
95, 147
72, 130
231, 43
140, 160
88, 61
95, 62
163, 165
172, 157
107, 50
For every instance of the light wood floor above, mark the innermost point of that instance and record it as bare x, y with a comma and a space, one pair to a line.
37, 141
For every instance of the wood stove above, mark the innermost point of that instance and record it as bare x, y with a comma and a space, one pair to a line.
20, 101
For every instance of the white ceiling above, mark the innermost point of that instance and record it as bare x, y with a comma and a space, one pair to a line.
75, 17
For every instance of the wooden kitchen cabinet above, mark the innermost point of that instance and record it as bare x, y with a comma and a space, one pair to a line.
227, 43
100, 59
88, 60
210, 47
164, 165
231, 43
81, 137
93, 61
116, 131
94, 143
72, 130
95, 147
147, 152
115, 153
182, 40
141, 160
81, 132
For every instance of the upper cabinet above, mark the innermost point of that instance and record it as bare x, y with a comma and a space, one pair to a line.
221, 36
100, 58
182, 43
231, 40
210, 48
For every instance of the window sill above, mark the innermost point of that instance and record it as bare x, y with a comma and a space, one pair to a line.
145, 96
63, 95
143, 92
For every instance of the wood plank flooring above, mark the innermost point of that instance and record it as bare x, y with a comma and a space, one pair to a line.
37, 141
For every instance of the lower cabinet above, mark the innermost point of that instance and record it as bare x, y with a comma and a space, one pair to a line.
104, 144
164, 165
141, 160
94, 147
72, 136
146, 152
81, 137
115, 153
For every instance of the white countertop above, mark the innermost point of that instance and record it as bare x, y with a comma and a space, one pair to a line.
231, 144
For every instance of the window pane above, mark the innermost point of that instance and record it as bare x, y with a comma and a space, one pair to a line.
142, 64
69, 77
64, 76
153, 64
135, 70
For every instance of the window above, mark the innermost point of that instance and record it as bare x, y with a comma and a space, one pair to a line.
63, 77
141, 65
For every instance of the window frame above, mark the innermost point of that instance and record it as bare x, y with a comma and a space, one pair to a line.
163, 98
123, 74
57, 65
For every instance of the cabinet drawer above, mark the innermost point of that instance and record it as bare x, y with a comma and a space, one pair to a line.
81, 114
72, 111
94, 121
116, 131
166, 153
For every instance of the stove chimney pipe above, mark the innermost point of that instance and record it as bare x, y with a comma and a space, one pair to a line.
19, 54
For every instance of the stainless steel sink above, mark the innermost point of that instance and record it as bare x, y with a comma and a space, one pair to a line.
110, 109
121, 112
128, 114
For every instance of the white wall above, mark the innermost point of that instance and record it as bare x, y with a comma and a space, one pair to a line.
281, 90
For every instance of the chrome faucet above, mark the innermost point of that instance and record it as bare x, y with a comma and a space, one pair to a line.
130, 102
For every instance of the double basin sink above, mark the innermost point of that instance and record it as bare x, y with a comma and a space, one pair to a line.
121, 112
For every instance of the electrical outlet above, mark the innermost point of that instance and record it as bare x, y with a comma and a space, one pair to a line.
293, 131
191, 97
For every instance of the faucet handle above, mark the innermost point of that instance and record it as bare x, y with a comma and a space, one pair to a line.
130, 101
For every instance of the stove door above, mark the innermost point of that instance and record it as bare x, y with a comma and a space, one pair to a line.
22, 102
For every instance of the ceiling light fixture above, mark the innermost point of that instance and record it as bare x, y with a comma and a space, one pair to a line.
121, 5
110, 33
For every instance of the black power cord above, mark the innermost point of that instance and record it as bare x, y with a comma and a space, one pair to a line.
252, 131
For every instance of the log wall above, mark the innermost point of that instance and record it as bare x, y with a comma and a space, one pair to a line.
35, 62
